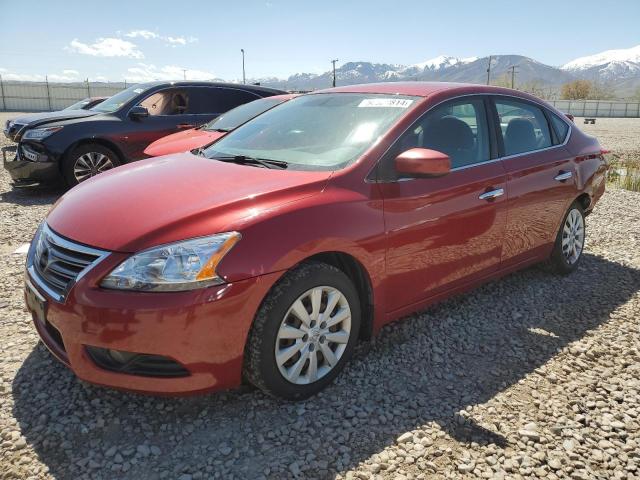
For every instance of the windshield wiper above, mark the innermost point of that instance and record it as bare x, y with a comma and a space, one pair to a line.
244, 160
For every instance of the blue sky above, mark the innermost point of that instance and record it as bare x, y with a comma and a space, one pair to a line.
141, 40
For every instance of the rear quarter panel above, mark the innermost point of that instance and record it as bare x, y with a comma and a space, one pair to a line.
591, 165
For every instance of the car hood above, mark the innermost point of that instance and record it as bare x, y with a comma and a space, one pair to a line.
182, 142
35, 119
166, 199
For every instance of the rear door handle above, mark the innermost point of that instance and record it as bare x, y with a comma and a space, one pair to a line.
185, 125
562, 176
491, 194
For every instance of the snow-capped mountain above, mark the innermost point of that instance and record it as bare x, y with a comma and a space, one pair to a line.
620, 66
443, 68
442, 61
618, 70
623, 55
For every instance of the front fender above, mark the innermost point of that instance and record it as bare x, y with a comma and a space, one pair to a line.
336, 220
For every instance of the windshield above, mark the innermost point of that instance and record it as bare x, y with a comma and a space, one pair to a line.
78, 105
112, 104
315, 132
242, 114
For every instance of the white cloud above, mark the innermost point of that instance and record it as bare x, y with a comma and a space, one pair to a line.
178, 40
146, 34
146, 72
71, 72
106, 47
169, 40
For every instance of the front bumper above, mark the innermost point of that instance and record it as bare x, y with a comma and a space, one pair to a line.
203, 330
27, 165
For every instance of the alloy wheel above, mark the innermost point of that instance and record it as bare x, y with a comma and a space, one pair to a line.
91, 164
313, 335
573, 236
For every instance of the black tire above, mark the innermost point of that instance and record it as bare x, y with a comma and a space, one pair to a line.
74, 156
260, 366
558, 262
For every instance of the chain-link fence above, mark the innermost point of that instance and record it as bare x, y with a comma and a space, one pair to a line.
42, 96
598, 108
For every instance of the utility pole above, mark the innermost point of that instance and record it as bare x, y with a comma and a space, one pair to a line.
334, 71
184, 73
244, 78
489, 70
513, 76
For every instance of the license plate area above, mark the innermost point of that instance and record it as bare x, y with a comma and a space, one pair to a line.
36, 303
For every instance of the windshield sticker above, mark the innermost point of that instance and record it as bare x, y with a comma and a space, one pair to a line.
386, 102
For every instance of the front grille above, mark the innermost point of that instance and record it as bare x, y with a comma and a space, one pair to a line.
57, 262
54, 333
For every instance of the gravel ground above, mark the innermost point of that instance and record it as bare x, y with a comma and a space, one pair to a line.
530, 376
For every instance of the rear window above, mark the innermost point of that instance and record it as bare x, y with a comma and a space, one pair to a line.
561, 128
523, 126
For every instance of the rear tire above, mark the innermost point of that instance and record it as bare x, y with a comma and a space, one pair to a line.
304, 333
87, 161
569, 244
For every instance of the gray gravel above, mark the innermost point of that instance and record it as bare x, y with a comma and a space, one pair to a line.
531, 376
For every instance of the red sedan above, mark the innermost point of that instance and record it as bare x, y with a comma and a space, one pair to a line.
308, 228
215, 129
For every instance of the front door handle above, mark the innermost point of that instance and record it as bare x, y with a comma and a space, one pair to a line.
562, 176
491, 194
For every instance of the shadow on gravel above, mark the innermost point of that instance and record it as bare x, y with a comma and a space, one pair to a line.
424, 369
26, 196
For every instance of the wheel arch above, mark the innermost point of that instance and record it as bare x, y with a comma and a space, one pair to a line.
358, 274
584, 199
98, 141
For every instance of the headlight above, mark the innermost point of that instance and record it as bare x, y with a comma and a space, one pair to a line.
40, 133
184, 265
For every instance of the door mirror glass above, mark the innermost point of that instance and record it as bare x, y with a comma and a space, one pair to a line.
423, 162
138, 112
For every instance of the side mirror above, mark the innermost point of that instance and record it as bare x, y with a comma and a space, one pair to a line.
138, 112
422, 162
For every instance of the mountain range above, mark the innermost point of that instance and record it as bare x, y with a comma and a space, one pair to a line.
616, 71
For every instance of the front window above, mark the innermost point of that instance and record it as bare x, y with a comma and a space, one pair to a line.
315, 132
242, 114
114, 103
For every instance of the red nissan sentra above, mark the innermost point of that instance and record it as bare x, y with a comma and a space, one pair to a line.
215, 129
268, 256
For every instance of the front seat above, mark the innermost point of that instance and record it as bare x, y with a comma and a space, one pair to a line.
179, 104
452, 136
519, 137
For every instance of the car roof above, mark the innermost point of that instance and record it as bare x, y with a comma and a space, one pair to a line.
192, 83
419, 89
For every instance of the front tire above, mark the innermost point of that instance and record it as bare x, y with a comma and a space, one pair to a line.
88, 161
569, 244
304, 332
